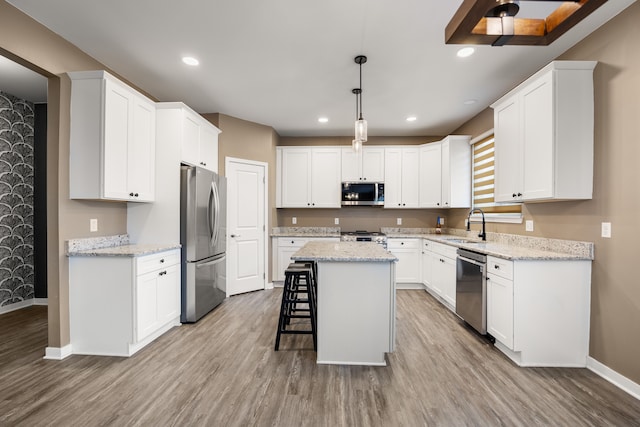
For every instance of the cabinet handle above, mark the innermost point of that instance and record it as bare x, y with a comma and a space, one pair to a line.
162, 273
234, 235
497, 267
519, 194
441, 260
513, 195
136, 194
130, 194
488, 278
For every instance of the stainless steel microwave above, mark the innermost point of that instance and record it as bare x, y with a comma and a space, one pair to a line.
362, 193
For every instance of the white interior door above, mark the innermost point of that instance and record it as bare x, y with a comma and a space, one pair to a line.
246, 225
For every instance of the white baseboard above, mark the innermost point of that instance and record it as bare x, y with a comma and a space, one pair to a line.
16, 306
40, 301
614, 378
57, 353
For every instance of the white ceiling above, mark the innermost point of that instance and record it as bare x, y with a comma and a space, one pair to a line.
22, 82
284, 63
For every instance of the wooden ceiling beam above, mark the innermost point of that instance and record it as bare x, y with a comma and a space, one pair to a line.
469, 24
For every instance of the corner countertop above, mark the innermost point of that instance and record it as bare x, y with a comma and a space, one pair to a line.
343, 252
113, 246
305, 232
506, 246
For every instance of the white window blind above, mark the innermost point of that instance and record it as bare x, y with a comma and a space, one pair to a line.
484, 180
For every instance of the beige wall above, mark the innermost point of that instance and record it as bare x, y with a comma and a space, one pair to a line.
615, 305
32, 45
251, 141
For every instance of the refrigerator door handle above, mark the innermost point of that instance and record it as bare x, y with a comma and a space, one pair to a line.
216, 218
211, 216
216, 260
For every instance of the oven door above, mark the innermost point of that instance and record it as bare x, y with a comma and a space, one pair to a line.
471, 293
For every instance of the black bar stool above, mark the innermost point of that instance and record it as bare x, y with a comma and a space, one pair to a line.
298, 290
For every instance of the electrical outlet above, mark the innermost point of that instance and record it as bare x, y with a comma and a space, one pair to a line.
528, 225
606, 230
442, 221
399, 221
93, 225
294, 220
336, 221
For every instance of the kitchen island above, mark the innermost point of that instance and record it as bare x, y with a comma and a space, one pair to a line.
356, 301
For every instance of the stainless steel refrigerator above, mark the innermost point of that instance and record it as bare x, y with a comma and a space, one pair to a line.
203, 231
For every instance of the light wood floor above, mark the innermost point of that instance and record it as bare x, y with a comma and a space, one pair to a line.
223, 371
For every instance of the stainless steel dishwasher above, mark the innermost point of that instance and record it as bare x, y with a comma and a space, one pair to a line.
471, 289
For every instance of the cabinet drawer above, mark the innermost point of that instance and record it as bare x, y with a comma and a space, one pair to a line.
403, 243
293, 242
156, 261
500, 267
444, 250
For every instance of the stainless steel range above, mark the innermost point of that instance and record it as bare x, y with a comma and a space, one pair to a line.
364, 236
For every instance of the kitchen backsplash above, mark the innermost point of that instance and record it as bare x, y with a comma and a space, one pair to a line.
16, 200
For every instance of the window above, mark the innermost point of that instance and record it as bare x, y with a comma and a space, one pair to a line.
483, 183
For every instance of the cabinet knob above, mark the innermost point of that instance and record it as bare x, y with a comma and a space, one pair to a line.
513, 195
404, 204
438, 204
365, 178
402, 243
162, 261
441, 260
131, 194
308, 204
519, 194
292, 242
497, 267
313, 204
360, 179
136, 195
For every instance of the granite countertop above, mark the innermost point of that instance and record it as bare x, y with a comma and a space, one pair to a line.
506, 246
305, 232
343, 251
114, 246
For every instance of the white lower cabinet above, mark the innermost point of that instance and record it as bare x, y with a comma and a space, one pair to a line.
500, 309
283, 247
427, 263
443, 273
119, 304
539, 310
409, 254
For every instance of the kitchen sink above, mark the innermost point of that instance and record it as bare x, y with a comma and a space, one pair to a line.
465, 241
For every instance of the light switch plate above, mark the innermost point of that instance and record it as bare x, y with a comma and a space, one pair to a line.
93, 224
294, 220
399, 221
528, 225
336, 221
606, 230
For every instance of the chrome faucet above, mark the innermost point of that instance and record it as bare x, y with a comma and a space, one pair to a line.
482, 235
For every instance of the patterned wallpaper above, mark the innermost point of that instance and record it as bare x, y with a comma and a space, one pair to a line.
16, 199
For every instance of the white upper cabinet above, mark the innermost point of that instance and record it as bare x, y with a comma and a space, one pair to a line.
445, 173
366, 165
199, 145
401, 172
308, 177
112, 148
544, 135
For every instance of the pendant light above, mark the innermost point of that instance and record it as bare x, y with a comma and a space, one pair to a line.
361, 123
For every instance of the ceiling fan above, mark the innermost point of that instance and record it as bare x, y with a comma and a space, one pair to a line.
493, 22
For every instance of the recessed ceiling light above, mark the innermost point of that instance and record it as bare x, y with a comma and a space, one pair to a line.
412, 118
190, 60
466, 51
323, 119
470, 101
